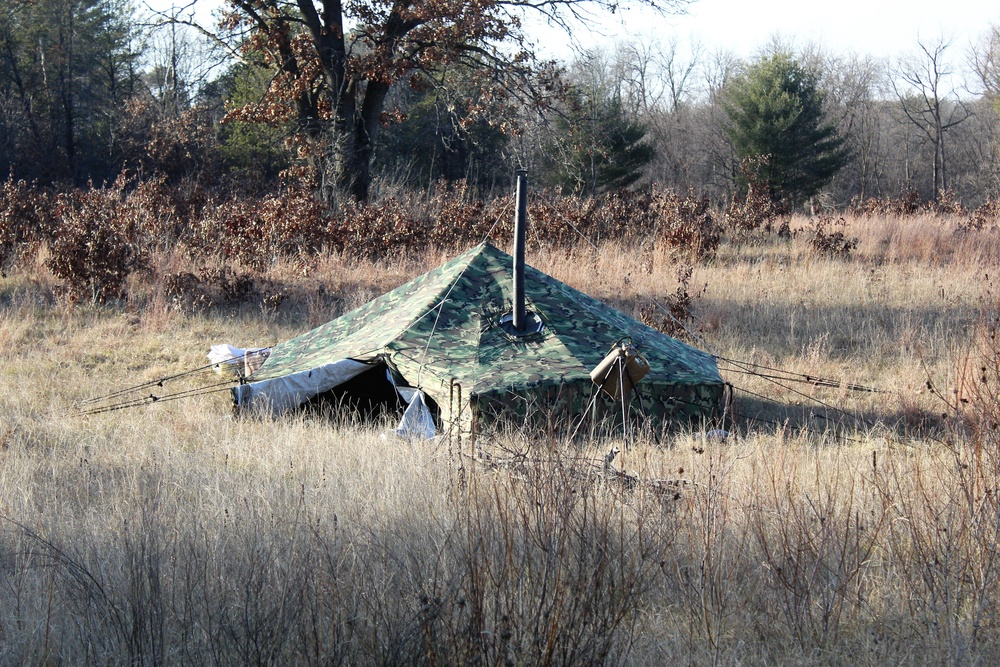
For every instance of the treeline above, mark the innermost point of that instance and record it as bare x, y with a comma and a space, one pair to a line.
92, 89
100, 242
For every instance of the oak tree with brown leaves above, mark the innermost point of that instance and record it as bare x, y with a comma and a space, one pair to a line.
335, 61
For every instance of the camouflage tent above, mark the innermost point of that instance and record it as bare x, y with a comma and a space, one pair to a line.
448, 334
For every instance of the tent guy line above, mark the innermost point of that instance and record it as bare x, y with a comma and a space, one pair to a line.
808, 398
228, 384
152, 398
223, 386
777, 424
157, 382
146, 400
744, 368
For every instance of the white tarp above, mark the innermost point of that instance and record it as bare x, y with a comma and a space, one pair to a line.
290, 391
280, 394
417, 422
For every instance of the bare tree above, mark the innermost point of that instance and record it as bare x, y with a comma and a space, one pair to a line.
180, 60
855, 87
984, 58
929, 101
656, 76
985, 61
674, 123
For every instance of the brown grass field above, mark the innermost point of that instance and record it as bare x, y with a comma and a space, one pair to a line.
832, 527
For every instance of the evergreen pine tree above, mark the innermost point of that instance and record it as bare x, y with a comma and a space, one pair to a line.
598, 147
777, 128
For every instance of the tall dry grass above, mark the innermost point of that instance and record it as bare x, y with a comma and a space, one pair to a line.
860, 532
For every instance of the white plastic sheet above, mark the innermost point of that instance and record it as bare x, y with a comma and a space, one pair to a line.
290, 391
417, 422
239, 361
225, 353
280, 394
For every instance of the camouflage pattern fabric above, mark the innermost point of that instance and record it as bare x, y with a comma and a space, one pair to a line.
444, 328
573, 406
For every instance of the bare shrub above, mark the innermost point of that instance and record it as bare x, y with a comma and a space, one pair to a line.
25, 219
184, 290
153, 206
256, 233
986, 216
150, 592
757, 211
97, 242
686, 225
947, 204
943, 528
546, 565
710, 574
977, 400
183, 146
817, 549
456, 220
831, 243
558, 221
906, 204
214, 286
679, 318
941, 536
375, 230
555, 566
625, 214
229, 286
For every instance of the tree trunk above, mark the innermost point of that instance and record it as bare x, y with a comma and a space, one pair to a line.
23, 94
944, 163
360, 144
66, 92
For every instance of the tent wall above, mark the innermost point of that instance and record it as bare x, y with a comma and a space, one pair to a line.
563, 408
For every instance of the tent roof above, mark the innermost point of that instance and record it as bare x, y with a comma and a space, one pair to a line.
446, 324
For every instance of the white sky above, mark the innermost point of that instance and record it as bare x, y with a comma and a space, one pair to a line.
887, 28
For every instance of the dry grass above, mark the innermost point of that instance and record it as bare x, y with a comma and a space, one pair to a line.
176, 534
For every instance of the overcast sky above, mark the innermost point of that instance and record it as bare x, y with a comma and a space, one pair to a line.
866, 27
886, 28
